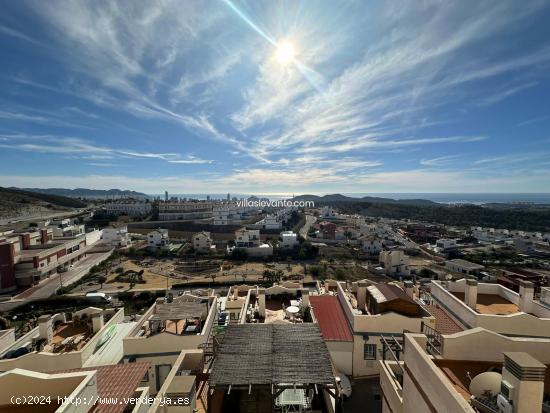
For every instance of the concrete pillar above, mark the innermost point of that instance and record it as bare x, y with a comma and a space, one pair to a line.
409, 288
305, 298
470, 293
525, 376
526, 296
361, 295
45, 328
97, 321
261, 302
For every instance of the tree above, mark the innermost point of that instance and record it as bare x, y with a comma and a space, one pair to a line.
101, 279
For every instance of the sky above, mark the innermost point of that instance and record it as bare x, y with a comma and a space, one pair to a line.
276, 97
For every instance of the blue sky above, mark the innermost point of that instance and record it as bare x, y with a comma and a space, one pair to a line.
195, 97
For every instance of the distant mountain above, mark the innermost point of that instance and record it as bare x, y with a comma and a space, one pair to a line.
89, 193
338, 198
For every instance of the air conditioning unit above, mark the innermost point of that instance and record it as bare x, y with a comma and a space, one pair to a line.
503, 404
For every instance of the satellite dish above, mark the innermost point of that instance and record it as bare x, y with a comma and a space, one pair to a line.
486, 382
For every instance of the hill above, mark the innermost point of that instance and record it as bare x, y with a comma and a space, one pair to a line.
16, 203
330, 199
89, 193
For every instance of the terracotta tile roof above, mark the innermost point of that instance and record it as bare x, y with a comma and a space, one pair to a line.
331, 318
119, 380
443, 321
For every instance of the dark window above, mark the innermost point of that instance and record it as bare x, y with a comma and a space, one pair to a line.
369, 352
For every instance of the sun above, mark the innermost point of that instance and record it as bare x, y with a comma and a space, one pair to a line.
285, 52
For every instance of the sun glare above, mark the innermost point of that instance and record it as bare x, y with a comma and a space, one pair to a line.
285, 52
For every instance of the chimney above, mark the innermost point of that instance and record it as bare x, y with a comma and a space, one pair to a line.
235, 293
305, 298
526, 296
470, 293
26, 241
523, 376
44, 236
361, 295
409, 288
45, 328
97, 321
261, 302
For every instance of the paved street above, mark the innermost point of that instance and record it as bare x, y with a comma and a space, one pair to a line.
310, 220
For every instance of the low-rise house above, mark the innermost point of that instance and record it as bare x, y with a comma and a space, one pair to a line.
445, 244
249, 241
116, 237
464, 267
327, 230
395, 263
289, 240
66, 228
371, 245
202, 242
158, 239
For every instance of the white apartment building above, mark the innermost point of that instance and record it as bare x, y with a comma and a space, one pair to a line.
445, 244
463, 266
184, 210
289, 240
133, 209
158, 239
272, 222
116, 237
202, 242
327, 213
395, 263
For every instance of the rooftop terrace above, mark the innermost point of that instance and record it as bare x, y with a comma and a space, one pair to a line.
491, 304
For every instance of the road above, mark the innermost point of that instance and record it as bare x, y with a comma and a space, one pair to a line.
44, 215
49, 286
310, 220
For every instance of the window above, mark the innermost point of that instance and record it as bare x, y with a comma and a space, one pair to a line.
369, 352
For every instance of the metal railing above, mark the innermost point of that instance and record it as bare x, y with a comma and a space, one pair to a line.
435, 341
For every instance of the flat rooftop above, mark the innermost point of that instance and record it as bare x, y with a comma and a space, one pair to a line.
457, 372
491, 304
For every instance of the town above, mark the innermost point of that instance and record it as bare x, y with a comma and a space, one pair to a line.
232, 307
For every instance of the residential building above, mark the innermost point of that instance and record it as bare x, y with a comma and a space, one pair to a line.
464, 267
66, 228
493, 306
184, 210
28, 257
168, 328
61, 343
370, 245
202, 242
327, 213
116, 237
158, 239
472, 371
523, 245
131, 208
372, 311
327, 230
289, 240
445, 244
249, 241
395, 263
76, 390
272, 222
